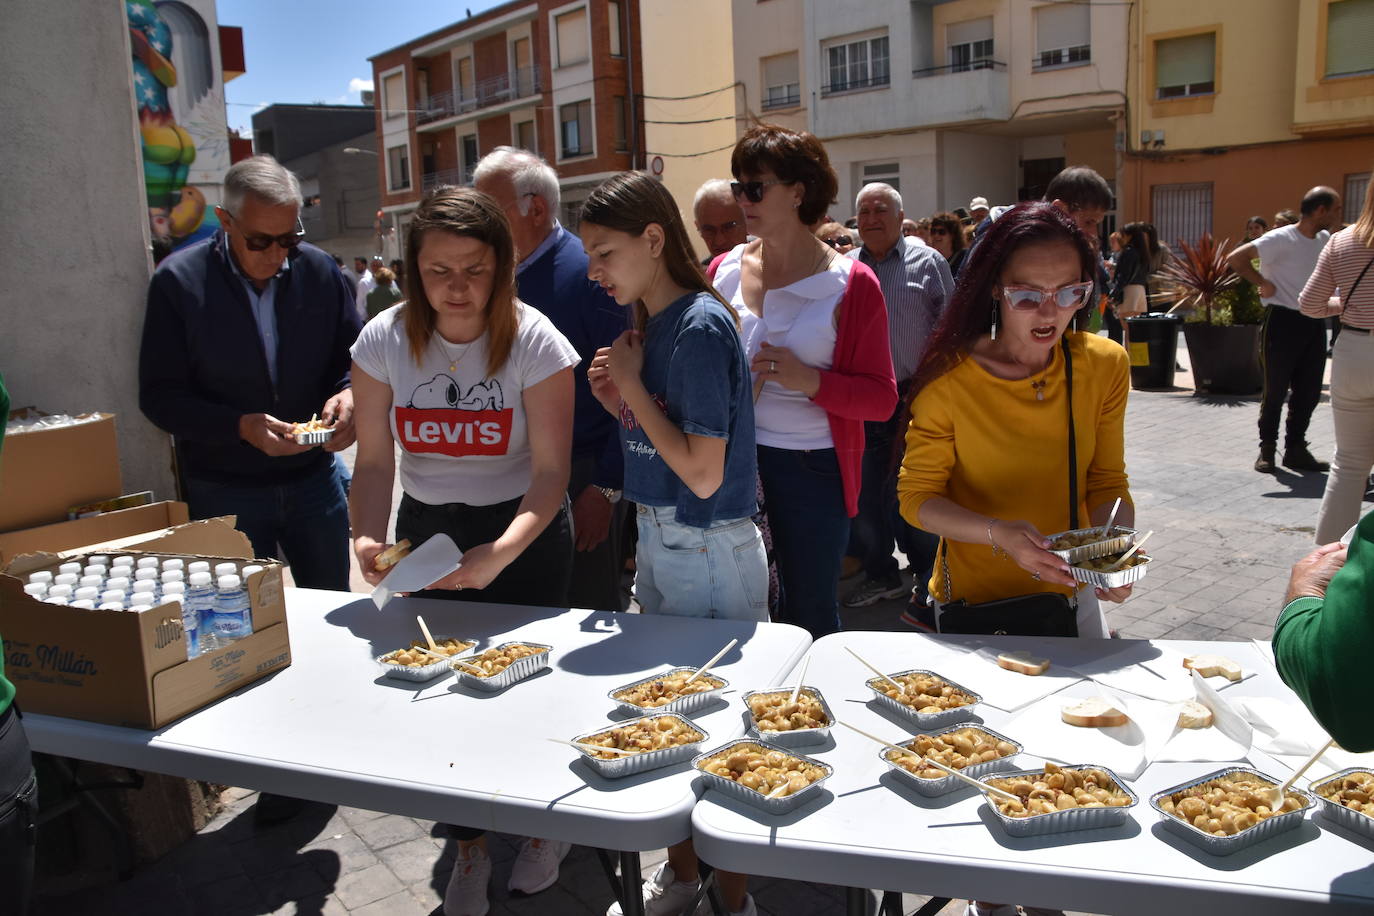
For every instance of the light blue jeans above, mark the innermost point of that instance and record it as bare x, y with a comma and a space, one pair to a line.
719, 571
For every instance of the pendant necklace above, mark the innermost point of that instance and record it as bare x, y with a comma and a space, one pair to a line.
1039, 386
443, 349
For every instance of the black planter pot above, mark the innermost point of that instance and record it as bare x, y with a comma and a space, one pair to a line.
1225, 359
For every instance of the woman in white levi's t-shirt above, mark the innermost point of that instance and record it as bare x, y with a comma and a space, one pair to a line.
476, 389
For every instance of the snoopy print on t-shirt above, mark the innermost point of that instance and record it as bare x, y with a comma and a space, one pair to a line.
441, 418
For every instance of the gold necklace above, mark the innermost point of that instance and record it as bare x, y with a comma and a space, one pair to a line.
821, 261
443, 350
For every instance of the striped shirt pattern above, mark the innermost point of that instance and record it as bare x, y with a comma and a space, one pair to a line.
917, 285
1338, 267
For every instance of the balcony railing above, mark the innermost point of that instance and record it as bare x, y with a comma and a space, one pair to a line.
1062, 57
497, 90
872, 82
788, 96
461, 177
984, 64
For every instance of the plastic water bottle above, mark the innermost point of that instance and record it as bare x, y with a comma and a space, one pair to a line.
146, 574
60, 591
226, 569
86, 593
172, 575
173, 563
173, 591
119, 582
36, 590
249, 570
233, 612
145, 592
196, 566
197, 615
89, 581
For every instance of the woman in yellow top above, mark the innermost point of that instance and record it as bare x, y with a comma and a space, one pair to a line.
987, 451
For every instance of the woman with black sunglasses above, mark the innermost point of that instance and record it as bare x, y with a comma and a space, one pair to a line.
993, 390
814, 326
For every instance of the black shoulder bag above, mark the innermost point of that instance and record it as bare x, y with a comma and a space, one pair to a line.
1037, 614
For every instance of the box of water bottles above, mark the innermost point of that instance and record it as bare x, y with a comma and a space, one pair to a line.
141, 631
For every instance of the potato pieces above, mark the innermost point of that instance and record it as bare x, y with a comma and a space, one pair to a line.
1102, 564
1228, 805
1353, 790
768, 772
411, 657
1079, 539
923, 693
494, 661
644, 735
1058, 789
771, 712
664, 690
963, 747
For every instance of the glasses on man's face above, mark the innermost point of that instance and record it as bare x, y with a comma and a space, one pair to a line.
259, 242
723, 228
1026, 298
753, 190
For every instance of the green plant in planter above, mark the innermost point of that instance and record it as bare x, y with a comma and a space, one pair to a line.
1199, 281
1224, 314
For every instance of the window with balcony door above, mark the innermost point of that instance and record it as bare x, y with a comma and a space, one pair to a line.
1349, 38
575, 129
862, 64
1185, 66
571, 29
524, 136
526, 81
394, 95
1062, 33
468, 148
613, 11
781, 82
969, 45
464, 87
398, 167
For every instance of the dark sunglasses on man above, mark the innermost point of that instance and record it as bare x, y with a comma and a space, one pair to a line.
259, 242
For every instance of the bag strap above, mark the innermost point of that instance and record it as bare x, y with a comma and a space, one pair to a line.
1356, 285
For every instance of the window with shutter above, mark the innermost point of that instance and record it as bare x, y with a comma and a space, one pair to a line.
1185, 66
781, 81
1062, 35
613, 13
969, 44
1350, 38
394, 95
572, 37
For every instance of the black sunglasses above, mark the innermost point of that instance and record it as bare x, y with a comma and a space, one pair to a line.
263, 242
753, 190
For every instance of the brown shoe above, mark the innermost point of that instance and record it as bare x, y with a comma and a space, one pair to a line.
1265, 462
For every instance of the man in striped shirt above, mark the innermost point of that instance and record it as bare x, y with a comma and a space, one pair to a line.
916, 284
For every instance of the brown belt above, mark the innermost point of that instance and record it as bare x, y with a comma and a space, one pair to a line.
1351, 327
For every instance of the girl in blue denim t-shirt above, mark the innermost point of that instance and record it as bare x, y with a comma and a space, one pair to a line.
681, 389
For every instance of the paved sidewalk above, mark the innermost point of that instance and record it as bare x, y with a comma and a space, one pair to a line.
1225, 539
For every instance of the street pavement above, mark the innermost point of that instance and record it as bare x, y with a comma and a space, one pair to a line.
1225, 539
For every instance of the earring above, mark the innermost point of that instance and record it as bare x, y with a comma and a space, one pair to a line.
995, 314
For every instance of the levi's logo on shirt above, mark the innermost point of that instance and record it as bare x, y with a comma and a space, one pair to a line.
443, 419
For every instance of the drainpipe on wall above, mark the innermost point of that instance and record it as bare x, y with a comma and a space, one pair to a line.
630, 84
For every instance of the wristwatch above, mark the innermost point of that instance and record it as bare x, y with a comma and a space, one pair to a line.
612, 496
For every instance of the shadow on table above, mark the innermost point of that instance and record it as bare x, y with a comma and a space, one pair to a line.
904, 722
1087, 657
1305, 832
1046, 841
638, 643
1354, 885
903, 789
395, 627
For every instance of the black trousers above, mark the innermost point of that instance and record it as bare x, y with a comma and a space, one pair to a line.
596, 572
1293, 353
18, 815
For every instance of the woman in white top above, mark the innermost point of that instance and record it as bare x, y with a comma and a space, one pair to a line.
476, 387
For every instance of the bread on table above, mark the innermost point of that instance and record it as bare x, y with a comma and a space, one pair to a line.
1094, 712
1213, 666
1193, 714
1023, 663
392, 555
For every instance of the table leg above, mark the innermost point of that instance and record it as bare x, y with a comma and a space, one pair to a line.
857, 901
608, 867
708, 891
930, 908
631, 885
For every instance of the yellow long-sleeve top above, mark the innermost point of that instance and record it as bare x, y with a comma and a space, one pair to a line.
988, 445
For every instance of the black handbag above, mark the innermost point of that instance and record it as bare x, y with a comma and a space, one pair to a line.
1037, 614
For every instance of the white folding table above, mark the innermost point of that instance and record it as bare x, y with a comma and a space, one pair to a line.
868, 830
333, 728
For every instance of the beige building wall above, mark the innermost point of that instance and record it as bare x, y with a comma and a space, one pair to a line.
1322, 104
688, 52
764, 29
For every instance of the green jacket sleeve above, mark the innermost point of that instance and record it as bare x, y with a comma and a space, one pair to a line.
1324, 647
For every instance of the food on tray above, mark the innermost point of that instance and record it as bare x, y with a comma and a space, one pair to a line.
664, 690
494, 661
392, 555
773, 713
1353, 790
1058, 789
1023, 663
766, 771
964, 747
1228, 805
313, 425
1193, 714
923, 693
1078, 539
1094, 712
1102, 564
653, 734
1214, 665
413, 658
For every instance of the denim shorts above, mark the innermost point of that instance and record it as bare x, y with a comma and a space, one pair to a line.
719, 571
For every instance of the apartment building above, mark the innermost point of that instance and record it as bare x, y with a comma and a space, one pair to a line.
1239, 107
945, 99
552, 76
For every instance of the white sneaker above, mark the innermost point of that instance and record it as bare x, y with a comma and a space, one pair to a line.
537, 865
467, 886
979, 908
749, 909
664, 895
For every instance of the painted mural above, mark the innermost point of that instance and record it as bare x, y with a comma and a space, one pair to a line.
179, 93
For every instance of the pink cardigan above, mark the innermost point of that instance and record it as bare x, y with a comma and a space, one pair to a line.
861, 384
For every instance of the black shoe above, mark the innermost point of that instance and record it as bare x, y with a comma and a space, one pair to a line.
1300, 459
276, 809
1265, 462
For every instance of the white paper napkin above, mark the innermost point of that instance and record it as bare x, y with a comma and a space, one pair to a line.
1282, 728
1228, 739
1122, 748
423, 566
1009, 690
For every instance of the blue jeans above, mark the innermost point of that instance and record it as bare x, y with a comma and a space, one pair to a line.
308, 518
879, 523
806, 513
18, 815
719, 571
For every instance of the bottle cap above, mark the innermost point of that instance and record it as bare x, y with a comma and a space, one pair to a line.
66, 578
45, 577
173, 588
226, 569
173, 575
37, 590
123, 561
125, 571
199, 579
145, 587
98, 559
91, 581
112, 606
70, 568
55, 600
140, 608
84, 603
229, 581
115, 595
87, 593
146, 572
148, 562
60, 591
95, 569
198, 566
173, 563
250, 569
119, 582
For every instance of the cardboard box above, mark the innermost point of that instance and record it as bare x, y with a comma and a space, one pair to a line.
95, 529
131, 669
44, 472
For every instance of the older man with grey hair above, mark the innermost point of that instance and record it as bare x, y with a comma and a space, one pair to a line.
917, 285
720, 221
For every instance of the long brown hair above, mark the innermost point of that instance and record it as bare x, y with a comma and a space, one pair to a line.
1364, 226
629, 203
471, 214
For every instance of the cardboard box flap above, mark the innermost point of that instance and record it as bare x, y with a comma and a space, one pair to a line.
213, 537
105, 528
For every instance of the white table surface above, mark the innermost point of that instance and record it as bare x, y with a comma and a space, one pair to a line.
333, 728
870, 830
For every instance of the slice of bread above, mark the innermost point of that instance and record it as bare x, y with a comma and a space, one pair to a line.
1193, 714
392, 555
1023, 663
1213, 665
1094, 712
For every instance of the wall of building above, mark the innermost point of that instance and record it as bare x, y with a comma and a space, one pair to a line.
1324, 104
690, 47
764, 28
915, 154
976, 165
78, 226
1101, 82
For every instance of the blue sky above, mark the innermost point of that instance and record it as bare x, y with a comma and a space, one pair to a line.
304, 51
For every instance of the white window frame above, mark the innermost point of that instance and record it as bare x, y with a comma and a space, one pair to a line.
846, 51
388, 112
391, 186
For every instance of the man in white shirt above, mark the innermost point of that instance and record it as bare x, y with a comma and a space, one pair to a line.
1293, 346
367, 283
